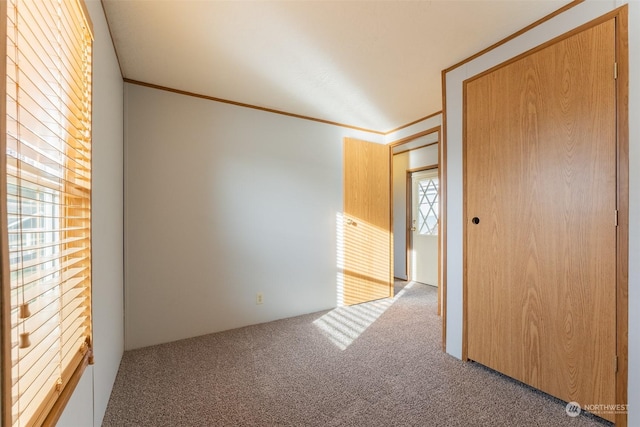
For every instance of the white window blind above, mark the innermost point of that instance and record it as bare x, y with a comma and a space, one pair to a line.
46, 242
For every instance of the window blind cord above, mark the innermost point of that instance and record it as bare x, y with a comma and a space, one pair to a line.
24, 312
61, 185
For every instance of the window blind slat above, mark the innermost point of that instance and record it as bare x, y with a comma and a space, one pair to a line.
48, 274
29, 193
18, 170
32, 174
47, 245
44, 133
38, 34
43, 342
33, 182
42, 65
69, 118
75, 146
42, 303
74, 336
18, 218
65, 55
38, 293
48, 230
26, 403
44, 345
72, 297
48, 259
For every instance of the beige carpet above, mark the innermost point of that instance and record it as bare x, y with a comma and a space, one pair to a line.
376, 364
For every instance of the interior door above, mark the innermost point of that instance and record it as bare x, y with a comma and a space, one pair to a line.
424, 227
366, 228
540, 229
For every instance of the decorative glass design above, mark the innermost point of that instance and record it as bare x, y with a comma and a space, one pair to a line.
428, 206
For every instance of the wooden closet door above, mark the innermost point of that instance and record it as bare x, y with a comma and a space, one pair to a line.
540, 177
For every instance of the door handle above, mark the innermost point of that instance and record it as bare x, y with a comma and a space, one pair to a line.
412, 229
475, 220
351, 222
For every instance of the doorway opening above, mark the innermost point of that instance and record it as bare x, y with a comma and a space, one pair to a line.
413, 154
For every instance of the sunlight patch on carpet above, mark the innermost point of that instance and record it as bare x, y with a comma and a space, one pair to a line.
343, 325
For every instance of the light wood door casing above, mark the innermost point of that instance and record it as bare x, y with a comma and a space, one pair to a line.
367, 263
540, 174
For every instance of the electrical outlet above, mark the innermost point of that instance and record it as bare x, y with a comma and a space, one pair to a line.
259, 298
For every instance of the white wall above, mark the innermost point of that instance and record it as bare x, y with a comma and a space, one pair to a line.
574, 17
89, 401
223, 202
402, 162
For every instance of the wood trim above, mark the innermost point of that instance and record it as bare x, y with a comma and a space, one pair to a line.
416, 148
465, 353
423, 168
408, 214
113, 42
440, 254
442, 153
413, 122
392, 287
622, 274
5, 300
410, 138
515, 35
253, 107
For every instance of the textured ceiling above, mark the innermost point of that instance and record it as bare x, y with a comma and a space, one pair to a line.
372, 64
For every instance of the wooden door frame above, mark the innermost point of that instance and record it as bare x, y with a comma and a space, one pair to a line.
622, 194
441, 214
